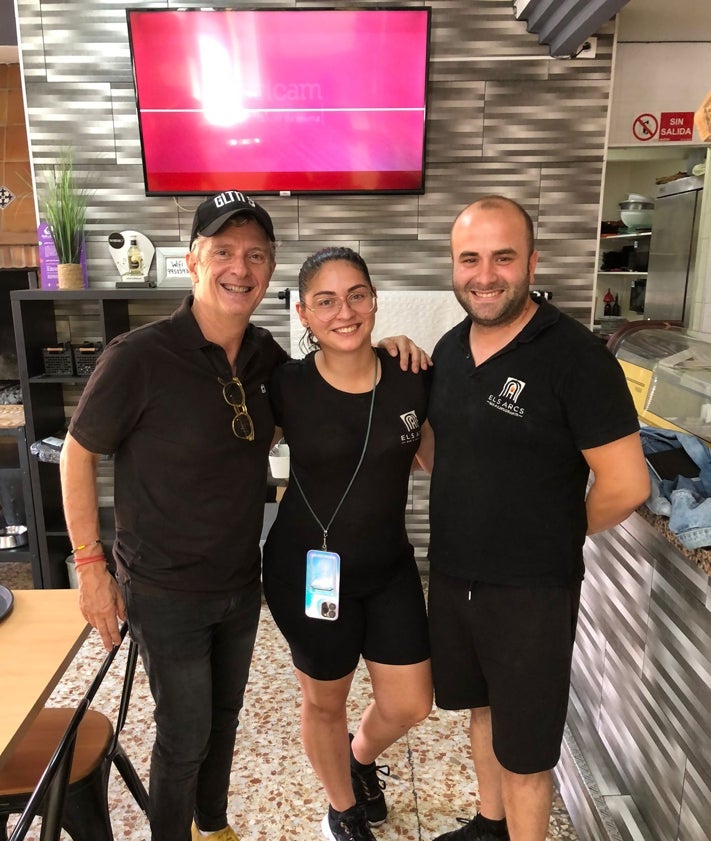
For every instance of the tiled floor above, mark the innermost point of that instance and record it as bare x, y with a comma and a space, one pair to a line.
274, 794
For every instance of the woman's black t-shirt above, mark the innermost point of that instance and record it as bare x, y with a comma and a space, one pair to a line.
325, 429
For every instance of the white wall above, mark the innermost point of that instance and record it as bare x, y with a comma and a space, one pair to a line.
664, 20
663, 63
657, 78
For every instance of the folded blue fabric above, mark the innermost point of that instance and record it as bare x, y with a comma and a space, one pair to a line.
687, 502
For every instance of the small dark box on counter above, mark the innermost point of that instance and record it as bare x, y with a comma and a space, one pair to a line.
85, 356
58, 361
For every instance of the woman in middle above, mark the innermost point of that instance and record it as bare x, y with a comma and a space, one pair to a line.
353, 421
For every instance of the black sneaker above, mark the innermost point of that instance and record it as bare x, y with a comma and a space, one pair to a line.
351, 825
368, 788
472, 831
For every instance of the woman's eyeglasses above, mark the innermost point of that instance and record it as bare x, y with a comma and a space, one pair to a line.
326, 309
233, 392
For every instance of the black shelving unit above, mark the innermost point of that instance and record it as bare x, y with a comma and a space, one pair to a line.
15, 490
45, 318
15, 471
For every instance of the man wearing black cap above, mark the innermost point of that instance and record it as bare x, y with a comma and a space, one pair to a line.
183, 406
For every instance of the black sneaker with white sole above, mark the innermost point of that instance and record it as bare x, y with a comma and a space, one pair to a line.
368, 788
351, 825
475, 830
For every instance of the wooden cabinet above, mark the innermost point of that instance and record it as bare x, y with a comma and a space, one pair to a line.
43, 319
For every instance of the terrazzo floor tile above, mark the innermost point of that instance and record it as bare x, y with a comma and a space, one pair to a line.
274, 794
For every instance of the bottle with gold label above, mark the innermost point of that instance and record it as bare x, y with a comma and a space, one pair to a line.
135, 259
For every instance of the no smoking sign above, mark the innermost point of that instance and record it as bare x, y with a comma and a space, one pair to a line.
645, 127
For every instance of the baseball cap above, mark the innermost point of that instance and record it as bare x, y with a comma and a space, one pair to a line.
212, 214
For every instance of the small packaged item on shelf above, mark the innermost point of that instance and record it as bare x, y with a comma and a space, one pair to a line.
49, 448
58, 360
85, 356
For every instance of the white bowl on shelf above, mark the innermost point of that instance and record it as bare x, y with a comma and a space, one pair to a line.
637, 218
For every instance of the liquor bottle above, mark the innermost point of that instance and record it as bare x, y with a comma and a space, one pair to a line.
616, 306
608, 300
135, 259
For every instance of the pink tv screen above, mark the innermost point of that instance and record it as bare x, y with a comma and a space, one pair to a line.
281, 101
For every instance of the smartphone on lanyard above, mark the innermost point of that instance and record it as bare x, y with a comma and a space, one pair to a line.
323, 580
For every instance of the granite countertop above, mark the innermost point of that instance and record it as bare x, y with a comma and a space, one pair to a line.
701, 557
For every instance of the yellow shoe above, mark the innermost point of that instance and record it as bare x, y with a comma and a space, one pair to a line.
226, 834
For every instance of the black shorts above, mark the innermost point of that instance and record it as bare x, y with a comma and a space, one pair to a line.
388, 626
508, 648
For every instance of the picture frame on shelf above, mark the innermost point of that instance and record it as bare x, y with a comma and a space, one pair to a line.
171, 270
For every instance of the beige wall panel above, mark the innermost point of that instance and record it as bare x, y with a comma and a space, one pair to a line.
484, 68
452, 187
455, 121
569, 202
100, 43
76, 115
419, 265
290, 256
564, 120
481, 27
125, 122
284, 210
359, 217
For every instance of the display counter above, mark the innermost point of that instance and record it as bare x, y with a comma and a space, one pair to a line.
668, 372
636, 762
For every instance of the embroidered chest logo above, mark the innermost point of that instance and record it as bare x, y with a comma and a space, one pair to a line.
507, 399
412, 425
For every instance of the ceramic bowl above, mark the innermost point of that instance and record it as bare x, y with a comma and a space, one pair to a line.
637, 218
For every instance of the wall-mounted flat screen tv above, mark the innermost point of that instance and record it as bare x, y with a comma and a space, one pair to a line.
281, 101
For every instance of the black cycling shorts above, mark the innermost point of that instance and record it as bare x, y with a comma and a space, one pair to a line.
388, 626
508, 648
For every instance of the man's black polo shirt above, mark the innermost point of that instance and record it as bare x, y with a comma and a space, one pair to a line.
189, 496
507, 500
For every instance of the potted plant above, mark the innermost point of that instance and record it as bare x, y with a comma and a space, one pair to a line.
64, 207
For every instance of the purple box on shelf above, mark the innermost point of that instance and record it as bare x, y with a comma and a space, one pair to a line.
49, 261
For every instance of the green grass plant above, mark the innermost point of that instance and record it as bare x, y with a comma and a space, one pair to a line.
64, 208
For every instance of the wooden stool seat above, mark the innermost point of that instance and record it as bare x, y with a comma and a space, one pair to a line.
26, 777
33, 752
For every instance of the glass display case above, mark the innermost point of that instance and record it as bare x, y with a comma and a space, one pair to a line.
669, 375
